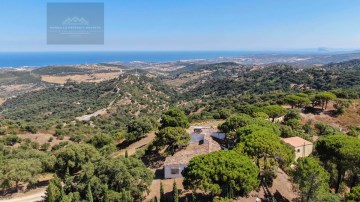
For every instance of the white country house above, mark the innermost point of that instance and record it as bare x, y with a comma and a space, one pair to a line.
201, 142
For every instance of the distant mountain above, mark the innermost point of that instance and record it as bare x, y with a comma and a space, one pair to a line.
323, 49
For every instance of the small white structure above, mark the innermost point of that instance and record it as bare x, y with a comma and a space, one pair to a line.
174, 170
301, 146
201, 142
199, 133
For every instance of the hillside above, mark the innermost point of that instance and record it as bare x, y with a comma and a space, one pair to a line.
351, 64
260, 80
211, 80
64, 103
127, 115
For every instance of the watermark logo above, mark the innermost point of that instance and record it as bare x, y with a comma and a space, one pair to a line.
75, 23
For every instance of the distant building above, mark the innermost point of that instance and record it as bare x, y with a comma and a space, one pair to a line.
301, 146
201, 142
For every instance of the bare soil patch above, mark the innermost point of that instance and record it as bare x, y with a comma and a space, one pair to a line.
351, 117
34, 192
42, 138
208, 123
7, 91
34, 195
168, 188
96, 77
281, 188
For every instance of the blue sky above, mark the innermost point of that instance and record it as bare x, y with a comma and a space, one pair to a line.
195, 25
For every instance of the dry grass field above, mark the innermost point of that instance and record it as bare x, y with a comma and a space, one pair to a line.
42, 138
95, 77
350, 118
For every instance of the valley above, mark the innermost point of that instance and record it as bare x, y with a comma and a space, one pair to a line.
68, 119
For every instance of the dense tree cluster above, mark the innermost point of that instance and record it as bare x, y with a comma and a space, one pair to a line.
342, 153
278, 77
23, 165
312, 179
172, 134
258, 145
174, 117
354, 195
89, 176
224, 173
138, 128
174, 138
297, 100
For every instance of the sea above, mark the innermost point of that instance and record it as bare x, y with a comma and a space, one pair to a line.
36, 59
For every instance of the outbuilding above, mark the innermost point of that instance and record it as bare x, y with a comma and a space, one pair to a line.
302, 147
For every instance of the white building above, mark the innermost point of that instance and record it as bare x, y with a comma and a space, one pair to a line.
201, 142
198, 133
301, 146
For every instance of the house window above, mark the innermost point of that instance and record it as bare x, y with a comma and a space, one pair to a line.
175, 171
298, 150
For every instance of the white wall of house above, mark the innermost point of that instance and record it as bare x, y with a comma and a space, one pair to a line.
173, 171
303, 151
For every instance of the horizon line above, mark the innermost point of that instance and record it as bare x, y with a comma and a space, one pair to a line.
319, 50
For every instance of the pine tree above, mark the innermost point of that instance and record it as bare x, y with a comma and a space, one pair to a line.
175, 192
68, 178
162, 194
67, 174
63, 197
54, 190
193, 197
126, 196
89, 195
106, 197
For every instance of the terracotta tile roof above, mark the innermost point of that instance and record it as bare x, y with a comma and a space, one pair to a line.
296, 141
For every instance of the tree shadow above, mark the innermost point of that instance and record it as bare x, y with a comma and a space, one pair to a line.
153, 160
198, 197
279, 197
169, 196
331, 113
125, 144
312, 110
23, 188
38, 184
159, 174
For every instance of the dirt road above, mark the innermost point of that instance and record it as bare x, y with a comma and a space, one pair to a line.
138, 144
31, 196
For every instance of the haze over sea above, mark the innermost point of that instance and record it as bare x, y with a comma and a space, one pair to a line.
31, 59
